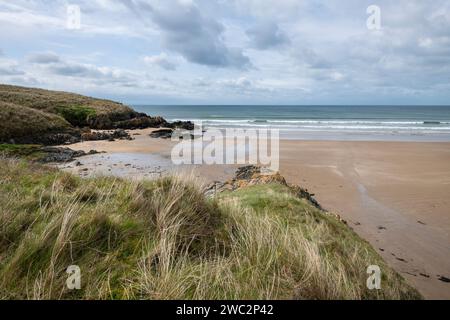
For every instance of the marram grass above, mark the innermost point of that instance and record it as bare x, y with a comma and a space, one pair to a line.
164, 240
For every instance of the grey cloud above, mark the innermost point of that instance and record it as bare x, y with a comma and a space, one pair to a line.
10, 71
9, 68
267, 35
25, 80
308, 57
162, 61
99, 75
70, 69
44, 58
185, 30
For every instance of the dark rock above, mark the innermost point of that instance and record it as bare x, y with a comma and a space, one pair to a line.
121, 134
134, 120
304, 194
185, 125
142, 121
49, 138
106, 135
247, 172
162, 133
191, 136
444, 279
58, 154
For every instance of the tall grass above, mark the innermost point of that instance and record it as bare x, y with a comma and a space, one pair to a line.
164, 240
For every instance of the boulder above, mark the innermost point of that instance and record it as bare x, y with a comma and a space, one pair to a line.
162, 133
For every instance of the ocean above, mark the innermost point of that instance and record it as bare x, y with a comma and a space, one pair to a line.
373, 123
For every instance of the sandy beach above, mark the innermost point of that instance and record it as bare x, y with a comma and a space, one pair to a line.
394, 194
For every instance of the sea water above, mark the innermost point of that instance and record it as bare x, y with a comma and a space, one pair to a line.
383, 123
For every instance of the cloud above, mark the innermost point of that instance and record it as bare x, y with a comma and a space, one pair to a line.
267, 35
43, 58
242, 83
161, 60
54, 64
187, 31
9, 67
309, 58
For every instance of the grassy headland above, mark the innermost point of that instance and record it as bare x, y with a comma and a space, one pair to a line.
164, 239
30, 115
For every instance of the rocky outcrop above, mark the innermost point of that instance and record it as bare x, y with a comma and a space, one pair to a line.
185, 125
120, 134
48, 139
169, 133
57, 154
141, 121
246, 176
136, 120
256, 175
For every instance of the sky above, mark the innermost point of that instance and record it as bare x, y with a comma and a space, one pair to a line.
231, 51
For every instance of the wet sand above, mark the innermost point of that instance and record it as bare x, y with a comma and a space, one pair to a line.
396, 195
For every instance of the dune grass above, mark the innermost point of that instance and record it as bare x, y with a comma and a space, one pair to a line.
164, 240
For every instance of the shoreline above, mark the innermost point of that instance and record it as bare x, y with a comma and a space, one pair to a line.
393, 194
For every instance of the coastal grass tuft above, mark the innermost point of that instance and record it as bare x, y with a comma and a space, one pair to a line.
163, 239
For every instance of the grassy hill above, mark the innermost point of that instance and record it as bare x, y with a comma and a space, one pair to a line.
164, 240
38, 116
20, 121
28, 113
61, 103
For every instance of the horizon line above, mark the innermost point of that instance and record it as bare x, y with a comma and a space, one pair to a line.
287, 105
